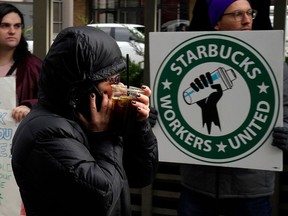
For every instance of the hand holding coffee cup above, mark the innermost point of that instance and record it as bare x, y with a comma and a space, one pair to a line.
128, 105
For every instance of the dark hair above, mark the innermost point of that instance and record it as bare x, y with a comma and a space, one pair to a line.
22, 48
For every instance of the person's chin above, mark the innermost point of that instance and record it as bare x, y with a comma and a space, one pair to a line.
12, 43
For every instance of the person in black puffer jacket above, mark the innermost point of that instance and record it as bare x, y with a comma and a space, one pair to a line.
67, 164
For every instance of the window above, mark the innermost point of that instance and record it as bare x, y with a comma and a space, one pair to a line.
57, 17
122, 34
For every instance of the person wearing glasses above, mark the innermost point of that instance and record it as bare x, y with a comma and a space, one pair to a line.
66, 163
16, 60
238, 16
215, 191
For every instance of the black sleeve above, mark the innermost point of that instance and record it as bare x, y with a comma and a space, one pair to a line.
141, 155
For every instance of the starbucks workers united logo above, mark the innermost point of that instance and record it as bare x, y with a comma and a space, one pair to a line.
217, 97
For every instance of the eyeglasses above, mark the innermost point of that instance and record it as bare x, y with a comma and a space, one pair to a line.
7, 26
115, 79
239, 15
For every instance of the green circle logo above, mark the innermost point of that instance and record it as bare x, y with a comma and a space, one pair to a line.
217, 97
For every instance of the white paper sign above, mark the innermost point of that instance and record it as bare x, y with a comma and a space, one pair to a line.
10, 201
219, 96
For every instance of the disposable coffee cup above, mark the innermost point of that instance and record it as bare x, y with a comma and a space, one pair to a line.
123, 113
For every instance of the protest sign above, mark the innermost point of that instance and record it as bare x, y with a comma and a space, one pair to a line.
219, 96
10, 201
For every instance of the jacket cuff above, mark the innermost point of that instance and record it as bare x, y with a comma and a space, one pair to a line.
143, 126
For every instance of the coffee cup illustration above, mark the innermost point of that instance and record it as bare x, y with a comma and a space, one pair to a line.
220, 76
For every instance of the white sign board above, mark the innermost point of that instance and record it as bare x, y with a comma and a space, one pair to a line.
10, 201
219, 96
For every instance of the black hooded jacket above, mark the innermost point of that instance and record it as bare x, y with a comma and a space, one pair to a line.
60, 168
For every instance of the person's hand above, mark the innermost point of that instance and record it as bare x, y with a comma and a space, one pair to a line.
99, 121
153, 115
280, 138
142, 104
19, 112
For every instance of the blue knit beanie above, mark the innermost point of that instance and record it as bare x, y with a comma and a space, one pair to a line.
216, 9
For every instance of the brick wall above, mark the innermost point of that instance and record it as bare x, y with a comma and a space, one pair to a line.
81, 12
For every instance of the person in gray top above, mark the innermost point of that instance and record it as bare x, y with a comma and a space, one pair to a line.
211, 190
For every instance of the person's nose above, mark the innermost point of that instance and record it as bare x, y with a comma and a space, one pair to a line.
11, 29
246, 19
